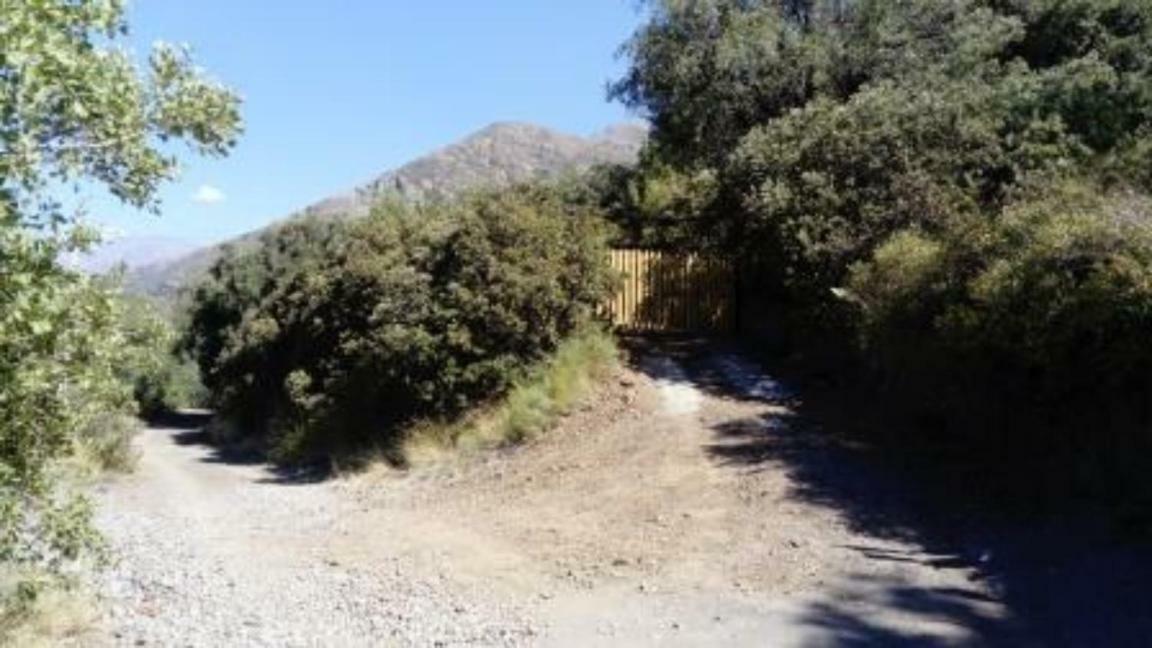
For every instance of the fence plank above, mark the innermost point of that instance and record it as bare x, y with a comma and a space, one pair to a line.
669, 292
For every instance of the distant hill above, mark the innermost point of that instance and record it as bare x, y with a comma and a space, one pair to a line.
130, 251
498, 155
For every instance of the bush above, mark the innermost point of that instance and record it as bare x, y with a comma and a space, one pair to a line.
161, 378
173, 383
60, 346
951, 196
1025, 333
418, 312
827, 184
105, 444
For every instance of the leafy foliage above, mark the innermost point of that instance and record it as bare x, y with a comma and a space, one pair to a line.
74, 108
958, 190
162, 378
57, 372
332, 336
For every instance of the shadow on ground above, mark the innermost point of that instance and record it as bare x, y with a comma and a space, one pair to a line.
1063, 582
181, 420
191, 429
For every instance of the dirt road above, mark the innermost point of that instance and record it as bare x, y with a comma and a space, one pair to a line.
673, 510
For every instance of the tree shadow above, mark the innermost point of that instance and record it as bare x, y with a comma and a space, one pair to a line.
1067, 581
181, 419
898, 615
192, 430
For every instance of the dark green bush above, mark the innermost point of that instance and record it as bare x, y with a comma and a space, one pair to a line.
946, 198
1026, 332
414, 312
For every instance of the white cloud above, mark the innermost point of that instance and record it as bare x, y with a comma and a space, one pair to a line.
209, 195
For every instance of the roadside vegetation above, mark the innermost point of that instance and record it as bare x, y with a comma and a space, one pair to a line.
74, 109
947, 204
948, 201
532, 404
334, 337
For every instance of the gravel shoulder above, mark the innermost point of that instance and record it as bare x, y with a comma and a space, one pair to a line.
667, 511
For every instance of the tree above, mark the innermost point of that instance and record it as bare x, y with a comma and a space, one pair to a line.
74, 108
707, 71
952, 195
335, 336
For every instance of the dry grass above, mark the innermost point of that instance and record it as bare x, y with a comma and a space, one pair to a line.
104, 446
531, 407
56, 614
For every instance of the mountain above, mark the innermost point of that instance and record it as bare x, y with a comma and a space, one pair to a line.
132, 252
498, 155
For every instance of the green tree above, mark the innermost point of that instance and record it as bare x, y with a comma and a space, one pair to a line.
74, 108
951, 195
334, 336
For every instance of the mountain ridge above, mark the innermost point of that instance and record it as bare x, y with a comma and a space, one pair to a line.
499, 154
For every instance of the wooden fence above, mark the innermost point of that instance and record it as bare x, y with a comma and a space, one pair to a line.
671, 292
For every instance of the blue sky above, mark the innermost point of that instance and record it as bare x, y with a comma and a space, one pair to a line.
338, 91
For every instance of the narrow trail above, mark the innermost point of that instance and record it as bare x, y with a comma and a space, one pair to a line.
666, 512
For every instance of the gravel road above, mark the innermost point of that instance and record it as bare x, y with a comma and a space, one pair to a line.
669, 511
213, 554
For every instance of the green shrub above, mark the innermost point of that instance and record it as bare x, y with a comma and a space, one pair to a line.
948, 199
60, 346
1024, 333
419, 312
173, 383
829, 183
162, 379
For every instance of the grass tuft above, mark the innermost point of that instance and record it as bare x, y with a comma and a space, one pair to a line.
531, 407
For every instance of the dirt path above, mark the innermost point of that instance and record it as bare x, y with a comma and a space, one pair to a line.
668, 512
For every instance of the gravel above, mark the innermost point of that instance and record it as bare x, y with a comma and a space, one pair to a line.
675, 509
204, 556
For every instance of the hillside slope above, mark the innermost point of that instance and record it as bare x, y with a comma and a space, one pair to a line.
130, 251
498, 155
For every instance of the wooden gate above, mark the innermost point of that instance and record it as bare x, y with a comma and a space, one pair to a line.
673, 292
